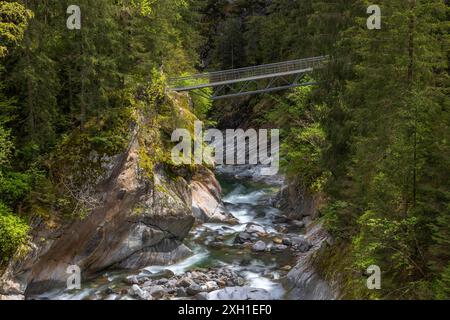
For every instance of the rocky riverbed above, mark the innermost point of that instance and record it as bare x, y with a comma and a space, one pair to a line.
249, 256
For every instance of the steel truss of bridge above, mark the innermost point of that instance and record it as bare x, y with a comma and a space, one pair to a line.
251, 80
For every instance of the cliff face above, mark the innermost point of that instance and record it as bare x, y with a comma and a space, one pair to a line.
140, 219
306, 282
299, 204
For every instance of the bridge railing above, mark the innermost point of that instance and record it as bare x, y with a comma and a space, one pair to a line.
251, 72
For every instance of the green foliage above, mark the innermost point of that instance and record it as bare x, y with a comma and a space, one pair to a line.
13, 23
443, 285
14, 186
13, 233
5, 147
202, 103
385, 242
384, 147
303, 137
340, 219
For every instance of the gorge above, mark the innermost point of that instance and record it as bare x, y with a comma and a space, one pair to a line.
240, 247
89, 114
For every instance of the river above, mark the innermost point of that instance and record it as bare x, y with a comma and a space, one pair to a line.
216, 250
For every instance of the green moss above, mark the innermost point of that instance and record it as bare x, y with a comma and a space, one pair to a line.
77, 162
138, 210
146, 163
80, 155
160, 115
334, 265
162, 189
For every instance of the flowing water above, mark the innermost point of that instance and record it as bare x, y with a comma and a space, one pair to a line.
214, 247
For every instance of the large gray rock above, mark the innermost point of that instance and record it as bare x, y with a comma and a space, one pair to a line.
259, 246
240, 293
243, 237
156, 291
181, 292
166, 252
301, 243
194, 289
298, 203
211, 285
207, 204
136, 291
201, 296
157, 275
185, 282
254, 228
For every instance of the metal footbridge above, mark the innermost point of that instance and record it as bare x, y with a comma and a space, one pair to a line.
251, 80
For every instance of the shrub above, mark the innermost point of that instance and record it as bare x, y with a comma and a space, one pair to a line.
13, 233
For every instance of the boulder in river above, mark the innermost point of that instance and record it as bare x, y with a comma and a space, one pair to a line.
207, 205
185, 282
243, 237
195, 289
181, 292
211, 285
297, 223
287, 241
277, 240
166, 273
255, 228
259, 246
136, 291
280, 247
132, 280
286, 268
201, 296
301, 243
156, 292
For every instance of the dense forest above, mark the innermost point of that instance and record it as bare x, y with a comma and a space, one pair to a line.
372, 139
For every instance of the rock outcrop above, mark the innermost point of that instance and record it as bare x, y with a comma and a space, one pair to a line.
137, 223
206, 198
305, 281
297, 204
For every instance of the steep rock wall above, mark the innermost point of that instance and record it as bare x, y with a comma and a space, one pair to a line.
306, 282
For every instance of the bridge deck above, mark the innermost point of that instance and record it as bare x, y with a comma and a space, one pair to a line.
220, 78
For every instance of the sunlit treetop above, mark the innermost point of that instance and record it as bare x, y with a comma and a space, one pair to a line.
13, 22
